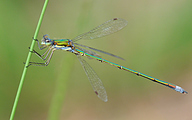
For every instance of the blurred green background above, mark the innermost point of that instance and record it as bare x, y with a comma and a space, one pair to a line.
157, 41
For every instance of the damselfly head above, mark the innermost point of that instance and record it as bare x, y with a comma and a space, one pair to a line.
46, 40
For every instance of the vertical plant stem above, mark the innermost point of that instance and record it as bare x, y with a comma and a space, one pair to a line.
27, 61
64, 74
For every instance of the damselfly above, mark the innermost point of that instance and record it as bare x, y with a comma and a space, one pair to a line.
69, 45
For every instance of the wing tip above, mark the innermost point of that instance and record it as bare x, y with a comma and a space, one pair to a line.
102, 98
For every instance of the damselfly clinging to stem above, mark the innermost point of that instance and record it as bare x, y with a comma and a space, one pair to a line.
69, 45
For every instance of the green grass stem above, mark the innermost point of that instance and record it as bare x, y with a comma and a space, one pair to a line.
27, 61
58, 98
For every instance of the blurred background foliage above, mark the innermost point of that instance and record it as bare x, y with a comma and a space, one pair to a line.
157, 41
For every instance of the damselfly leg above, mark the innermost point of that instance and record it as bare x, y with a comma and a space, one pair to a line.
47, 61
47, 52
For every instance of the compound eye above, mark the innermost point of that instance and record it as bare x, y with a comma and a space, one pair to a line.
45, 36
47, 41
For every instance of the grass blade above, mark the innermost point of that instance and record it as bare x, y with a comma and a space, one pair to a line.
27, 61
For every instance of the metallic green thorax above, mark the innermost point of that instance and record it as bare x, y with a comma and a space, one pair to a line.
61, 42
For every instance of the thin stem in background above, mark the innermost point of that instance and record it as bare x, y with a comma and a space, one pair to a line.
58, 98
27, 61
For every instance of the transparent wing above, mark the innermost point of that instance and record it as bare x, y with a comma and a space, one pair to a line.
99, 51
104, 29
88, 51
94, 80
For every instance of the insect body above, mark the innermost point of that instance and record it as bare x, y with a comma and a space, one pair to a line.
104, 29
